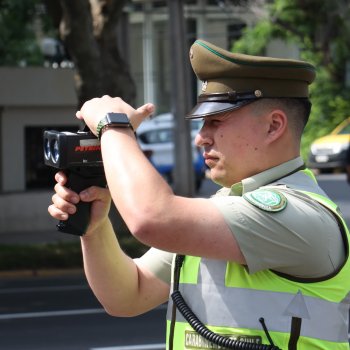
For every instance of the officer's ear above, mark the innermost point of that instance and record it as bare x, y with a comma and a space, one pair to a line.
277, 124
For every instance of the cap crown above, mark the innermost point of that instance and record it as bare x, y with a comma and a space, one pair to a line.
232, 80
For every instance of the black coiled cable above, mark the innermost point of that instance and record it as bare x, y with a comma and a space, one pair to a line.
206, 333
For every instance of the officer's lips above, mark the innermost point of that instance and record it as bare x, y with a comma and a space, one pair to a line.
209, 159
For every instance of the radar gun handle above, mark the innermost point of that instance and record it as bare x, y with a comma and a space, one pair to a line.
78, 180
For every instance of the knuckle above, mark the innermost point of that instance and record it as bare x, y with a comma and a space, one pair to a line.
57, 187
53, 198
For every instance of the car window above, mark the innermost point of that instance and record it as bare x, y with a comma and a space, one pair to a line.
196, 124
165, 135
157, 136
346, 130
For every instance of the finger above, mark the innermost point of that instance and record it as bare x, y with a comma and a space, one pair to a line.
63, 205
142, 113
79, 115
146, 110
66, 194
61, 178
57, 213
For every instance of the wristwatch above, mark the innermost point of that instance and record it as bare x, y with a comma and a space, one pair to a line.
113, 120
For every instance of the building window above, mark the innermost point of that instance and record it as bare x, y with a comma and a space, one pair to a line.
158, 3
38, 175
234, 32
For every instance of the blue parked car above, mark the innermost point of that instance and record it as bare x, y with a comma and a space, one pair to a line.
156, 139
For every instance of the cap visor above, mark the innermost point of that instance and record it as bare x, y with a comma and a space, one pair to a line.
204, 109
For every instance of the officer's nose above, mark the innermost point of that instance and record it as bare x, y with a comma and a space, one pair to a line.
203, 137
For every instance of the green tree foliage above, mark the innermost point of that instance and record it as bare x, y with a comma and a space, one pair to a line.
321, 30
18, 44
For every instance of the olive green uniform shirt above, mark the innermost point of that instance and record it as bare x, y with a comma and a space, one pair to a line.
302, 240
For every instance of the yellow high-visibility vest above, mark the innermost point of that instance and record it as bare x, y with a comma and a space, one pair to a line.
303, 314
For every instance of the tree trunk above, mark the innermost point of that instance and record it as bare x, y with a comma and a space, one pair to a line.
88, 30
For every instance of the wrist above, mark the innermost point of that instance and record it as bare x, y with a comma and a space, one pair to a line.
97, 230
108, 127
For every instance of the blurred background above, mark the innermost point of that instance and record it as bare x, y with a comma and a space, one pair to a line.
56, 54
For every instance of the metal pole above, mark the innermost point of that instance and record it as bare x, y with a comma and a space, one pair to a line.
147, 47
183, 172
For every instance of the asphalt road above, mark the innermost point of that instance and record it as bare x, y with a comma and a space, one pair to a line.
338, 190
60, 312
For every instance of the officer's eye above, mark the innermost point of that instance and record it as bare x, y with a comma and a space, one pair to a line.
215, 122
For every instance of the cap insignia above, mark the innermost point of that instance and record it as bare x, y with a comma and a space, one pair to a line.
204, 85
268, 200
258, 93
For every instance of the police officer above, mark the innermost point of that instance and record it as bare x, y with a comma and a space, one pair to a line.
265, 260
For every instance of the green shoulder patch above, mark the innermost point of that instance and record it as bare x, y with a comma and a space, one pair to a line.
268, 200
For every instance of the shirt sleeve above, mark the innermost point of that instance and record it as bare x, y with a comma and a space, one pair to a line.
158, 262
302, 240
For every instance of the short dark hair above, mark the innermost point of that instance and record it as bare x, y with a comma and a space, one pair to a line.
297, 110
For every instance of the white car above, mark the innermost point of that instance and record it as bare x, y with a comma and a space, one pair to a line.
156, 139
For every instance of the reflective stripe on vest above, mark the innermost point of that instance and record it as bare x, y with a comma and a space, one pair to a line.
226, 298
215, 305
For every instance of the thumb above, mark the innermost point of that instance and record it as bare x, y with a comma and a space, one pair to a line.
94, 193
142, 113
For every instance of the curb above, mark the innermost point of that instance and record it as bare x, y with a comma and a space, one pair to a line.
41, 273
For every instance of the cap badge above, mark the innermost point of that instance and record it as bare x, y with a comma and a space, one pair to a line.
268, 200
204, 85
258, 93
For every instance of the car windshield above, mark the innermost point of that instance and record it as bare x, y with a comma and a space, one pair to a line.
196, 124
166, 134
345, 130
157, 136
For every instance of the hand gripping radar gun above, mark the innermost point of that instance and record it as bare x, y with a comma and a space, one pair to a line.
79, 156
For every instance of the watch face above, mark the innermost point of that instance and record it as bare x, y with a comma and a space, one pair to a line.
117, 118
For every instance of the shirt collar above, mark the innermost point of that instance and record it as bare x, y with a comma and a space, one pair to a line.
265, 177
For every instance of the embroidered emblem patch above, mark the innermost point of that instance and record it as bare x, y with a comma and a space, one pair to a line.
268, 200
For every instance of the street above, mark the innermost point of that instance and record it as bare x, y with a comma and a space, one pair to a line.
60, 312
338, 190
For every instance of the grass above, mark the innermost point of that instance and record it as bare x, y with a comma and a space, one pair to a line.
62, 255
53, 255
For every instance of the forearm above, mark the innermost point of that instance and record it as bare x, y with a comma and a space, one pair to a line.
112, 275
133, 181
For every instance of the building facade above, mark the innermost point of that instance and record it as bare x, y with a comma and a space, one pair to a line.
36, 99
